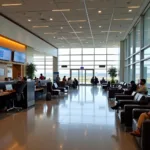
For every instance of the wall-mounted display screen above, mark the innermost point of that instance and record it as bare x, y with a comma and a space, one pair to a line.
5, 54
19, 57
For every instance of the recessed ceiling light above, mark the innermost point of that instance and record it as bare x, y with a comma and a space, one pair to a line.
29, 20
51, 19
120, 32
126, 19
15, 4
76, 20
133, 7
80, 27
57, 10
40, 26
99, 11
130, 10
54, 37
100, 26
61, 27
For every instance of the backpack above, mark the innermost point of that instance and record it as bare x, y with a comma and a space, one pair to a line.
48, 96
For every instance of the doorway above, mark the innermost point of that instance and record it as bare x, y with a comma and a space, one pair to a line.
83, 76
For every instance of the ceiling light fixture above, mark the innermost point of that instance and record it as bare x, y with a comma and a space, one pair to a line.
40, 26
61, 27
130, 10
60, 10
15, 4
80, 27
126, 19
99, 11
50, 33
112, 31
51, 19
54, 37
76, 32
133, 7
100, 26
76, 20
29, 20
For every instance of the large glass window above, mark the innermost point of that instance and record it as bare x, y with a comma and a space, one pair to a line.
147, 73
89, 58
137, 37
131, 43
44, 65
137, 72
88, 50
147, 28
147, 53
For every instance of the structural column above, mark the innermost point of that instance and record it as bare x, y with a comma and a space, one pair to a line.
122, 64
55, 64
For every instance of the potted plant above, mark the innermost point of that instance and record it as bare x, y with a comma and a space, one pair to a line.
30, 70
113, 73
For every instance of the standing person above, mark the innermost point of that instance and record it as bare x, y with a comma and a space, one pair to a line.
41, 77
142, 118
58, 80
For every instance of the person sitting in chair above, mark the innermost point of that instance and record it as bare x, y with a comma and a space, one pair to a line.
142, 118
141, 88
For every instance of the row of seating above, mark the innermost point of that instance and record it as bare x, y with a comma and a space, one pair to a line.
129, 110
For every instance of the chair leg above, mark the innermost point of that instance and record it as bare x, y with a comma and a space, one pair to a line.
14, 108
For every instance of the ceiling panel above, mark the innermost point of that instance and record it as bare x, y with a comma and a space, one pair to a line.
78, 23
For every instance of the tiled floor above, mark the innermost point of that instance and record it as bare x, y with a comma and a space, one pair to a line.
81, 120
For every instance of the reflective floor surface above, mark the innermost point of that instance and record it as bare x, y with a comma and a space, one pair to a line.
81, 120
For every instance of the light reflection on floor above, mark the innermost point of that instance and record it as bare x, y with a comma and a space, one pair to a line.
77, 121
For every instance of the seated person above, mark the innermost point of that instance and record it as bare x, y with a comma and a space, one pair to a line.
141, 88
70, 82
92, 80
142, 118
64, 79
132, 88
96, 80
75, 83
103, 80
41, 77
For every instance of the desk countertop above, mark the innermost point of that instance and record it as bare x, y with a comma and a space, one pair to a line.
6, 93
39, 89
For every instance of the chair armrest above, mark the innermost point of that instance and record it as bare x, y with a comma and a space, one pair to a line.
128, 112
123, 102
145, 135
137, 112
124, 97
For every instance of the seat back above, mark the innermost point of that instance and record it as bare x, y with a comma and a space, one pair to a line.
140, 98
55, 85
49, 87
136, 96
133, 93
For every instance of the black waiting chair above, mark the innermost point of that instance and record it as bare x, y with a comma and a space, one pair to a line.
143, 141
18, 96
51, 90
62, 89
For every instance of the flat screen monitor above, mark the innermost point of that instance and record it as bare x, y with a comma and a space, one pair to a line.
5, 54
19, 57
9, 87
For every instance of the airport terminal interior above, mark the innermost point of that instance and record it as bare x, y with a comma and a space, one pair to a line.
74, 74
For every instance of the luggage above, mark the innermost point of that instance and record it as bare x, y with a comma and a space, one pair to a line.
48, 96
